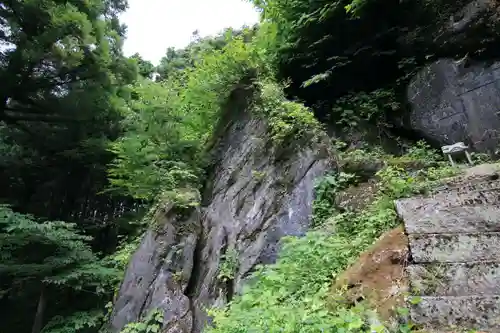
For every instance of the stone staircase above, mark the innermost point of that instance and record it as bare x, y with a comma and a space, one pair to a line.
454, 236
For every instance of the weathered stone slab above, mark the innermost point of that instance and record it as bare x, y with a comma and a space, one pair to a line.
454, 239
464, 279
478, 177
467, 209
467, 312
434, 218
462, 185
454, 247
454, 198
483, 170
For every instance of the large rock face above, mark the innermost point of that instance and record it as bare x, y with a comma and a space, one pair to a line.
458, 100
452, 102
185, 264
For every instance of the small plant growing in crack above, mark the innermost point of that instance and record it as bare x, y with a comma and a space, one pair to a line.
434, 277
228, 266
177, 276
258, 176
152, 323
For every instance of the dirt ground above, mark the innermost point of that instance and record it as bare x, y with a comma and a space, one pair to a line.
378, 276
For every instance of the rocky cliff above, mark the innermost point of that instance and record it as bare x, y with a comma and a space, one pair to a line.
198, 259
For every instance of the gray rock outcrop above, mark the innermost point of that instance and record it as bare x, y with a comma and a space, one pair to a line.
458, 99
451, 102
190, 262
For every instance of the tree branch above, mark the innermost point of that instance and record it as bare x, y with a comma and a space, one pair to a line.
11, 116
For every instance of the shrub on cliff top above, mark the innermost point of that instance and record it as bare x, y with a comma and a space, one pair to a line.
169, 124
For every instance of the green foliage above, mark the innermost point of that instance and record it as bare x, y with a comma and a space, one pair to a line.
68, 43
177, 60
76, 322
288, 121
145, 68
228, 266
421, 151
156, 152
170, 123
152, 323
62, 256
258, 175
120, 258
54, 257
351, 109
288, 295
333, 49
418, 155
62, 93
480, 158
401, 183
325, 191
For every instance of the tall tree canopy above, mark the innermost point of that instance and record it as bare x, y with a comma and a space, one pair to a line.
52, 46
63, 89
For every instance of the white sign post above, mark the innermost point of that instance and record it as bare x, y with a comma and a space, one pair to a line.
456, 148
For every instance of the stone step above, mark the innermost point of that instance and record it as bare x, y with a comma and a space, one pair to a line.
463, 279
466, 312
455, 198
464, 185
434, 218
459, 248
484, 173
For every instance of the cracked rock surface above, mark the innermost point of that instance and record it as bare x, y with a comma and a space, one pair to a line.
252, 199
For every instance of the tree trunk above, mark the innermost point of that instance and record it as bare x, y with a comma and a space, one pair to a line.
42, 303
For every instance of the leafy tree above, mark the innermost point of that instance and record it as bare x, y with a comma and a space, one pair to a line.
169, 124
64, 90
46, 257
63, 80
178, 59
50, 45
146, 68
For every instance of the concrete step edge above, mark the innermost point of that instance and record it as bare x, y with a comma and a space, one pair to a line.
455, 279
470, 312
449, 248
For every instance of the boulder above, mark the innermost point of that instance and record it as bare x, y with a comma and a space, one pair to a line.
451, 102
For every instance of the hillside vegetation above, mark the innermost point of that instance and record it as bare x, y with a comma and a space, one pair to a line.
89, 142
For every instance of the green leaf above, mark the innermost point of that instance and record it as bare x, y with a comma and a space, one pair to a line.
415, 300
